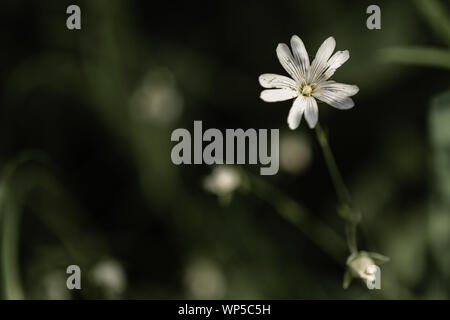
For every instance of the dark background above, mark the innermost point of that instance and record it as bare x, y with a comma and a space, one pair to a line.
93, 183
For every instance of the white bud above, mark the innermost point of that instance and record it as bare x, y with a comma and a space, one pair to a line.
372, 269
110, 276
223, 180
362, 266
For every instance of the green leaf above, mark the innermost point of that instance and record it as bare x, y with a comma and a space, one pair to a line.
421, 56
434, 13
439, 216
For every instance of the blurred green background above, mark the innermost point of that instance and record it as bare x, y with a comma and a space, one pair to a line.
87, 179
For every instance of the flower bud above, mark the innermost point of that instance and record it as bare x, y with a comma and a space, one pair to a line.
362, 266
222, 181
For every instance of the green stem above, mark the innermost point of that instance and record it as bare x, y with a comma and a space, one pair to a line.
346, 210
350, 234
338, 182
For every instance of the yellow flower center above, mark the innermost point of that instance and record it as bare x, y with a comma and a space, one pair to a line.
307, 90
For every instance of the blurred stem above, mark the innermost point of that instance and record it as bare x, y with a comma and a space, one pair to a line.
9, 223
423, 56
318, 232
346, 210
350, 235
12, 288
435, 15
10, 214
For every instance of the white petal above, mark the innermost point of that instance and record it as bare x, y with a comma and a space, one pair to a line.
287, 61
337, 95
325, 50
274, 95
270, 80
311, 112
341, 103
337, 60
296, 112
339, 88
300, 53
323, 54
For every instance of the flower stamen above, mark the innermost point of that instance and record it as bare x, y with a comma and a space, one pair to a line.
307, 90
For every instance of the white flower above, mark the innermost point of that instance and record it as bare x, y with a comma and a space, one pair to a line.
110, 276
308, 82
222, 181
